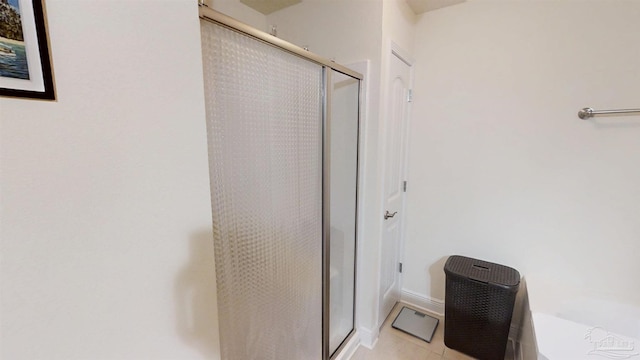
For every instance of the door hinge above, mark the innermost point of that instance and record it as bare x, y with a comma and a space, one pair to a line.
410, 95
404, 186
400, 268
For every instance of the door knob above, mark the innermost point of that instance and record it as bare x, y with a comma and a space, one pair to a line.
389, 215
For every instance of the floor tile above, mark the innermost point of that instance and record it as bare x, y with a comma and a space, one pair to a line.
434, 356
450, 354
394, 344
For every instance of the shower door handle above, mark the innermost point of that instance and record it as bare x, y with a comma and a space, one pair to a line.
389, 215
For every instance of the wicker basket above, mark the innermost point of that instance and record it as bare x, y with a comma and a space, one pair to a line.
478, 306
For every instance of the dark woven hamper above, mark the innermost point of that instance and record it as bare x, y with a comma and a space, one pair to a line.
479, 303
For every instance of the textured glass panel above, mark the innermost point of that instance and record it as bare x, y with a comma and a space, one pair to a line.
264, 125
344, 166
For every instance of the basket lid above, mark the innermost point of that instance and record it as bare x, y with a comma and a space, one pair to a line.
482, 271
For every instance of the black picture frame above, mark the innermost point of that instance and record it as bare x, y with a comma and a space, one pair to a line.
39, 83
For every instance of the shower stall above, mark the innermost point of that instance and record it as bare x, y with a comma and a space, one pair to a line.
282, 127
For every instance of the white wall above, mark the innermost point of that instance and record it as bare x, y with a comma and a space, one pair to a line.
240, 12
106, 248
502, 169
398, 25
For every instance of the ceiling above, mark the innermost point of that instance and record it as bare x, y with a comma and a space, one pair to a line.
268, 6
418, 6
421, 6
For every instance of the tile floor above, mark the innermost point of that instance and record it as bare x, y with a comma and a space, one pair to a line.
397, 345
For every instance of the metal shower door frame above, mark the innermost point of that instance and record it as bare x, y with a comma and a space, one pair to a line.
208, 14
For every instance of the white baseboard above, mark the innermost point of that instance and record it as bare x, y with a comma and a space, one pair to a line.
350, 348
422, 301
437, 306
368, 337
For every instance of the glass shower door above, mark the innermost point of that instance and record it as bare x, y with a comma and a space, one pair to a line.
264, 127
343, 129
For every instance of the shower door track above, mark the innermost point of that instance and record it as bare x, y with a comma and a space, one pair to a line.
208, 14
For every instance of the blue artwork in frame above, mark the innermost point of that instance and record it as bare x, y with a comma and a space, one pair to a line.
25, 66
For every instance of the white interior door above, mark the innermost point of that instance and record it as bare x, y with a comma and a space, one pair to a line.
396, 120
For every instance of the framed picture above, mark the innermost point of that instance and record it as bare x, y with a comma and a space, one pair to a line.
25, 67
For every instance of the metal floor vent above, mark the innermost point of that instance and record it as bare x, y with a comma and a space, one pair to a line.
416, 323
